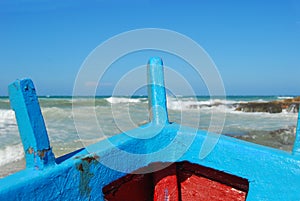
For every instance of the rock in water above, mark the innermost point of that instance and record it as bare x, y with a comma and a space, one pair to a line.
290, 105
293, 108
259, 107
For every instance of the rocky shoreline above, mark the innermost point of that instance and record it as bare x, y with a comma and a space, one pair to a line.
290, 105
281, 138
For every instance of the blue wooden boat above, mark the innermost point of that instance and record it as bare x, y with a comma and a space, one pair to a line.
162, 164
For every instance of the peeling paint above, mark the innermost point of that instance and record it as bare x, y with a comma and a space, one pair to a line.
42, 153
89, 159
86, 173
80, 167
30, 150
33, 133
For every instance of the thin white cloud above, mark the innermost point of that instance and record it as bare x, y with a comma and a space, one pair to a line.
91, 84
95, 84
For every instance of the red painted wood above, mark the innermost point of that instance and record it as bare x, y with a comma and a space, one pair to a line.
182, 181
215, 175
166, 184
195, 188
130, 188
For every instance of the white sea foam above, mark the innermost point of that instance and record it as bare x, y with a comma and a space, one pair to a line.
193, 103
115, 100
4, 100
56, 111
7, 114
11, 153
260, 101
285, 97
7, 117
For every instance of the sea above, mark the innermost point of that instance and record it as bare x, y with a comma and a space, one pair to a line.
102, 117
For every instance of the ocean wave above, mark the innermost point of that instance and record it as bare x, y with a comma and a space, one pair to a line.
4, 100
11, 153
115, 100
4, 103
53, 110
7, 114
284, 97
217, 105
57, 114
189, 104
259, 101
281, 138
7, 117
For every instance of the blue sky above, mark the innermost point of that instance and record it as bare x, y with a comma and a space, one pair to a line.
255, 44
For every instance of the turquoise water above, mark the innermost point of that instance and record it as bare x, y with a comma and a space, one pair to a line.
106, 116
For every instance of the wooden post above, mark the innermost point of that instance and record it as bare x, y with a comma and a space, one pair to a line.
156, 92
24, 102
